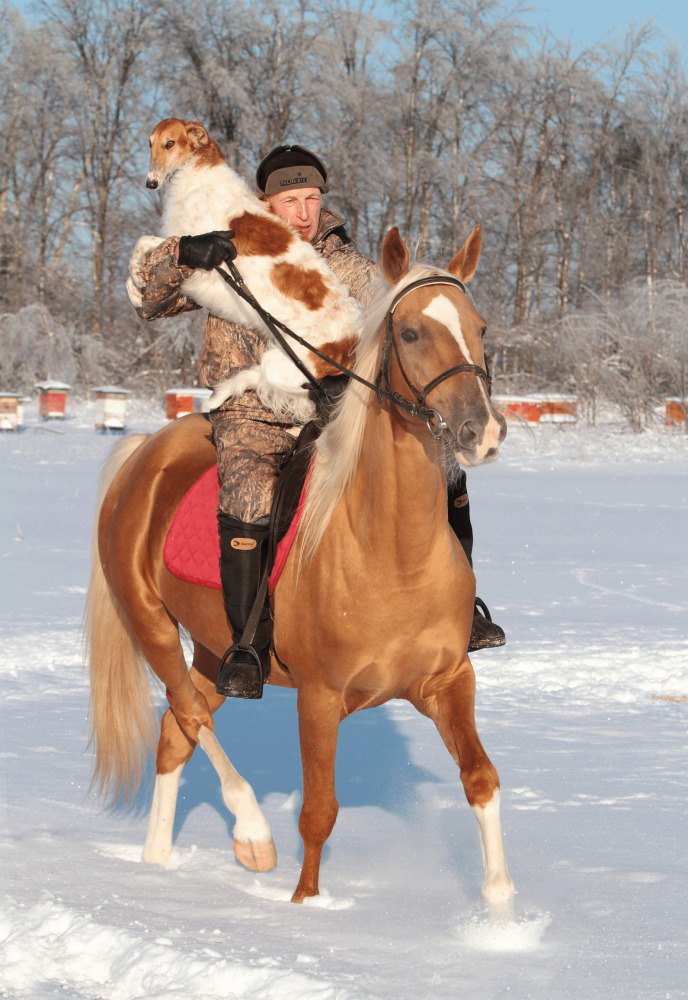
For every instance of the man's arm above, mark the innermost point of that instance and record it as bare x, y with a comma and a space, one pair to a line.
158, 279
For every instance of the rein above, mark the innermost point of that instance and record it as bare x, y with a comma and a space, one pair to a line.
417, 407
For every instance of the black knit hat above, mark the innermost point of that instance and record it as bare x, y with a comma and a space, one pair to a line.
289, 167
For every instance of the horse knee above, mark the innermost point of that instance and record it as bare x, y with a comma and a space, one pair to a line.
480, 782
316, 823
174, 747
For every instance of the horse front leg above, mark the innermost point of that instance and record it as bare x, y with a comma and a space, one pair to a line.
450, 703
319, 717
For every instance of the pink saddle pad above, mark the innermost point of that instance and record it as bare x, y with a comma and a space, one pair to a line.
192, 546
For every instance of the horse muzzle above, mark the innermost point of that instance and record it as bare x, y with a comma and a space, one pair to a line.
477, 441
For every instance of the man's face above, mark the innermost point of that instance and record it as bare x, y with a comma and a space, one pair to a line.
300, 208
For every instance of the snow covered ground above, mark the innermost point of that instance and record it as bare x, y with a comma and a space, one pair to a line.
581, 544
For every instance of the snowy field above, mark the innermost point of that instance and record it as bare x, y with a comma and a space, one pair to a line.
581, 545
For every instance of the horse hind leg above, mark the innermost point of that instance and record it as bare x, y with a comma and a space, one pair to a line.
451, 707
253, 844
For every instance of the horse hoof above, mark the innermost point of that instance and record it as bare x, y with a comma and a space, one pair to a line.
301, 894
154, 856
258, 855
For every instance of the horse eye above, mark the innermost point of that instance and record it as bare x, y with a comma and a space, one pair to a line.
169, 144
409, 336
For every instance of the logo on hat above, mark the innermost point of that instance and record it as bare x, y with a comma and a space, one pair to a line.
288, 181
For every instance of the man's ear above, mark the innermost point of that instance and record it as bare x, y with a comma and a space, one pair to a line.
395, 257
464, 264
197, 135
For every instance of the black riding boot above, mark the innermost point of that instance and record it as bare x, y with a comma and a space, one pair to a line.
243, 551
484, 632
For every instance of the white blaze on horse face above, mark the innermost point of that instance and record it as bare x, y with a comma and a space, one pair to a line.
443, 311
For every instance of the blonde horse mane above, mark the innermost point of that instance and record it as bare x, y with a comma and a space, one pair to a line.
339, 446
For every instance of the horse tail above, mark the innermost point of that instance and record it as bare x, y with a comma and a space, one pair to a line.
122, 715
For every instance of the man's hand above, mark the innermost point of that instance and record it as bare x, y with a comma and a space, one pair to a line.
206, 251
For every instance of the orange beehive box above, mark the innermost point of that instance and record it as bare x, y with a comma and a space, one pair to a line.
11, 410
558, 408
519, 407
180, 401
675, 411
52, 399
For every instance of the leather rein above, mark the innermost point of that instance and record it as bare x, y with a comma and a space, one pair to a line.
417, 406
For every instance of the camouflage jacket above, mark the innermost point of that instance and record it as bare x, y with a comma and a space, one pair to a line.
230, 348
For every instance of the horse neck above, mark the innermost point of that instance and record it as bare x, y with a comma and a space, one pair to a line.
398, 494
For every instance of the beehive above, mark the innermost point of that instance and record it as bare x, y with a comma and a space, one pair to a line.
52, 399
675, 410
111, 407
11, 410
523, 407
180, 401
558, 408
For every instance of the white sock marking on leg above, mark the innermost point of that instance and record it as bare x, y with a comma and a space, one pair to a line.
237, 794
158, 845
497, 885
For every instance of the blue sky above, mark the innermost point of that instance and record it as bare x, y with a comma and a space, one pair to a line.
586, 21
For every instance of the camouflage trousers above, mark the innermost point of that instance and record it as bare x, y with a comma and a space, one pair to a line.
252, 446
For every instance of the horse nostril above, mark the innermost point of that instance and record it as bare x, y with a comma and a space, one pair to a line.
151, 184
468, 435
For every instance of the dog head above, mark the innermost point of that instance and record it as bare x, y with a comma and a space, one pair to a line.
173, 143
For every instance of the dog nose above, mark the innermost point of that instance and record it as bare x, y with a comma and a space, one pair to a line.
151, 184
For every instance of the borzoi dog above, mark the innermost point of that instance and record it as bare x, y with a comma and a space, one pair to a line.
284, 273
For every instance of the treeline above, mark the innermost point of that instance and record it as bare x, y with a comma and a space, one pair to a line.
432, 117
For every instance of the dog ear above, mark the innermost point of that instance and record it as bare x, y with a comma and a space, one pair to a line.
197, 135
395, 257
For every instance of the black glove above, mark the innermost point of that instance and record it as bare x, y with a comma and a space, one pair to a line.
206, 251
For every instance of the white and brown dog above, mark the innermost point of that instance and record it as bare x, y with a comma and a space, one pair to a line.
284, 273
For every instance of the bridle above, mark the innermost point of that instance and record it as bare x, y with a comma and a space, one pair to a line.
416, 407
436, 423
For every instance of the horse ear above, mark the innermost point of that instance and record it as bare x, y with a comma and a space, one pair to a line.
464, 264
197, 135
395, 257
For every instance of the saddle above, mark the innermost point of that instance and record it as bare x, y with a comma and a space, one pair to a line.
192, 547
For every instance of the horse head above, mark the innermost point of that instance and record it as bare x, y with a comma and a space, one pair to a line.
434, 349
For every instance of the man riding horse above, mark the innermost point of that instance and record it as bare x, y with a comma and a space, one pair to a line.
252, 443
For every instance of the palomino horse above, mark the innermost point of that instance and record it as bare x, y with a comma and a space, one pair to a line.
375, 602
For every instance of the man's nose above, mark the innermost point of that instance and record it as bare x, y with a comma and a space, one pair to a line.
302, 211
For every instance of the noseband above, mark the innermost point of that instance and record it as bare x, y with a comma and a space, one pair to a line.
436, 423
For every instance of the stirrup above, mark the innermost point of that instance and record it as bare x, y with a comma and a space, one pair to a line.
242, 679
485, 634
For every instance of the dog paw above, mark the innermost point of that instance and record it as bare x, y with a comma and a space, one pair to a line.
138, 258
134, 293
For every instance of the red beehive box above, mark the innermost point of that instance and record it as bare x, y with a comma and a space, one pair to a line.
52, 399
524, 407
179, 402
675, 411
